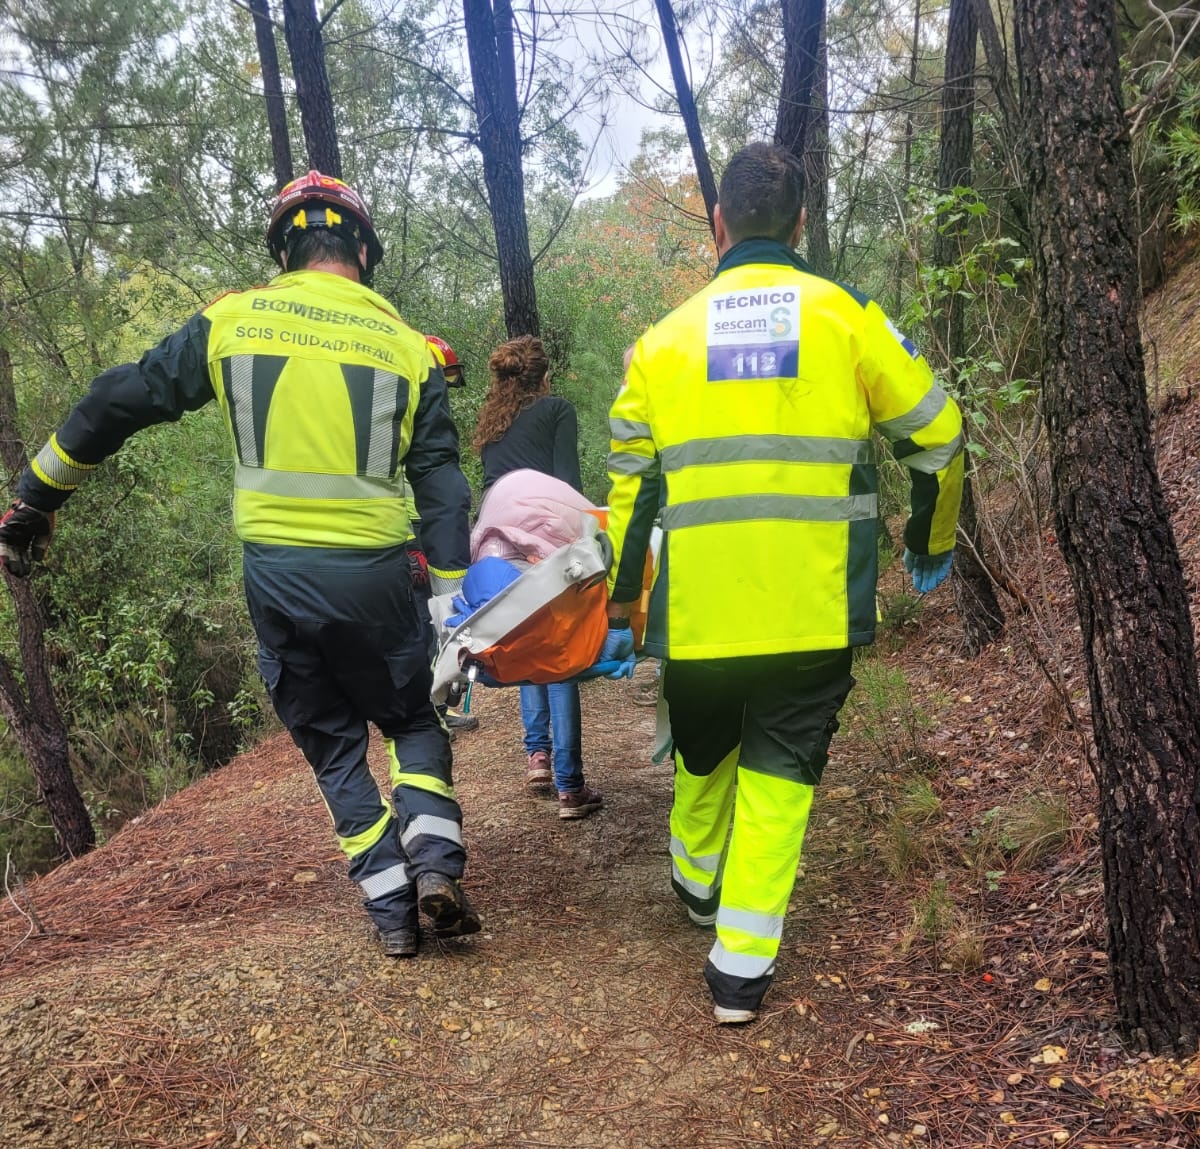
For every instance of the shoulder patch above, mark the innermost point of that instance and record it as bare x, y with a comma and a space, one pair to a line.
902, 339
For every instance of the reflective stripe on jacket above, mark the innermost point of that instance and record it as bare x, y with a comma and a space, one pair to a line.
327, 395
753, 404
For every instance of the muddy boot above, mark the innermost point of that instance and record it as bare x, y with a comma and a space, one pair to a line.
443, 901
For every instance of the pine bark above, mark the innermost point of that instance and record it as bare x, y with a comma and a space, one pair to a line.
803, 23
1111, 516
492, 59
302, 30
687, 107
277, 125
816, 169
978, 610
28, 702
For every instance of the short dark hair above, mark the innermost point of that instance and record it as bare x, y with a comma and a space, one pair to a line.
306, 246
762, 192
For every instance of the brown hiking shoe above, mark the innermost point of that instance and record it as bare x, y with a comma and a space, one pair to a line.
579, 803
538, 772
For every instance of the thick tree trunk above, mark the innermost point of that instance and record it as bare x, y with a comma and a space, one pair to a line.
687, 106
494, 80
803, 23
981, 616
1111, 516
302, 31
31, 710
268, 58
816, 169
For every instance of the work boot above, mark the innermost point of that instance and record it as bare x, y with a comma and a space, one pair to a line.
730, 1015
538, 772
579, 803
704, 921
442, 900
460, 723
399, 943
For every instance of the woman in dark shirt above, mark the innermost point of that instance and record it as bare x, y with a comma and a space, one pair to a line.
521, 425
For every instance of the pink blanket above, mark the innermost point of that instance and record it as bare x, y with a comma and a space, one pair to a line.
526, 516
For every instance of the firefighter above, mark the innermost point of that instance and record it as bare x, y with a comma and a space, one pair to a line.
332, 402
755, 401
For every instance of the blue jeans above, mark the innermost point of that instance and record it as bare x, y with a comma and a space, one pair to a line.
550, 715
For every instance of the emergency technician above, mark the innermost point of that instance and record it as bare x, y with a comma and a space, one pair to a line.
332, 402
755, 401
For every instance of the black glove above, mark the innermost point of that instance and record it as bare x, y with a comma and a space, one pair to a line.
25, 534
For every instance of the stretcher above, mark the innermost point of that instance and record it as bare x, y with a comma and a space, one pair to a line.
547, 626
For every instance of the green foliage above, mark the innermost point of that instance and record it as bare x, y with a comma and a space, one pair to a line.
882, 710
1017, 835
918, 802
933, 913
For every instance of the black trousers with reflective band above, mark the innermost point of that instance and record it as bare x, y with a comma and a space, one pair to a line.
341, 646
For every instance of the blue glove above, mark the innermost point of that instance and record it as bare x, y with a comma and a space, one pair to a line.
618, 650
927, 571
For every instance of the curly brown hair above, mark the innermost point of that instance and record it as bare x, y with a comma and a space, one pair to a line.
518, 373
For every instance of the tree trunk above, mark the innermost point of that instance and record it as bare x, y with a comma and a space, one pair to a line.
1111, 516
803, 23
32, 710
687, 107
980, 613
816, 169
909, 131
268, 58
302, 31
997, 60
494, 80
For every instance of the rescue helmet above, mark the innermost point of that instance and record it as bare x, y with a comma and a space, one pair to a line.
316, 200
445, 358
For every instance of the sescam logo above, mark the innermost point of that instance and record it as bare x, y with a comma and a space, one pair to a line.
754, 334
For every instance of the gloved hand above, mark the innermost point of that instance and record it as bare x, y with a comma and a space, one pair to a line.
25, 534
418, 566
927, 571
618, 650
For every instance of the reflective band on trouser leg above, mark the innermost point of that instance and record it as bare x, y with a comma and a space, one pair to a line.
700, 818
429, 779
357, 844
430, 818
769, 820
377, 864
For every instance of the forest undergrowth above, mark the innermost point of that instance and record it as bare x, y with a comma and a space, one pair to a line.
207, 979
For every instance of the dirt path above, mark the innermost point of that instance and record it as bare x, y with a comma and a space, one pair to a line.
209, 979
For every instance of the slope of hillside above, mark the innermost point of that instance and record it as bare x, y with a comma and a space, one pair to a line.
207, 978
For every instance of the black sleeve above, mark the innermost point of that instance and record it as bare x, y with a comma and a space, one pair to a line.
167, 381
566, 446
439, 487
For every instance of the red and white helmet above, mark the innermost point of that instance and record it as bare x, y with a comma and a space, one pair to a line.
443, 355
316, 200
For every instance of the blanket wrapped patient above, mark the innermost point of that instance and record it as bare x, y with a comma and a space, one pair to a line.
533, 605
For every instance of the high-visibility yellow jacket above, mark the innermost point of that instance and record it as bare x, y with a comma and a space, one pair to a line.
332, 402
746, 415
